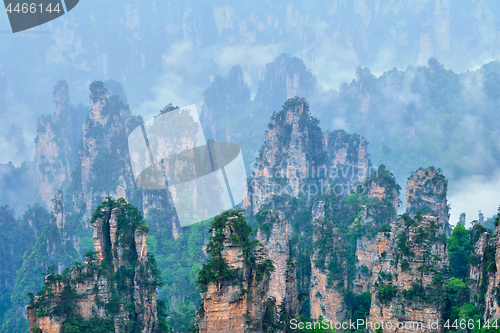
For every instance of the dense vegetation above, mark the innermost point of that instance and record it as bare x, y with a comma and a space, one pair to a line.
456, 290
432, 127
216, 269
144, 275
336, 236
419, 116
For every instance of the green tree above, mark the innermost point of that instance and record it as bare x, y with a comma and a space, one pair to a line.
459, 249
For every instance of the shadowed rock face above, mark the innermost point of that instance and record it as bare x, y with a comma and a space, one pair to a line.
297, 158
485, 274
116, 285
54, 145
282, 164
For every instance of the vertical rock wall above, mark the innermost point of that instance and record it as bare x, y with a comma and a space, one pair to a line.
116, 285
413, 253
54, 145
239, 304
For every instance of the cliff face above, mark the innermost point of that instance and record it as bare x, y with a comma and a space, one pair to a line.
348, 162
56, 145
286, 77
297, 158
114, 287
492, 295
283, 280
105, 165
404, 286
235, 280
478, 269
327, 291
379, 215
282, 164
484, 274
426, 193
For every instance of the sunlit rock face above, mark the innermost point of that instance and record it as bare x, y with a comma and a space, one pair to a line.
240, 303
404, 288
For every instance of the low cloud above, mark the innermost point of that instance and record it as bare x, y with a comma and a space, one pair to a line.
17, 130
471, 194
179, 84
251, 58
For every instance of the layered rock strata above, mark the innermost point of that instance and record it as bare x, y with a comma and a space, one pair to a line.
241, 303
404, 291
327, 294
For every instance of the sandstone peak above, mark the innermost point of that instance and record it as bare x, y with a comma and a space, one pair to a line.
114, 289
426, 193
293, 141
235, 279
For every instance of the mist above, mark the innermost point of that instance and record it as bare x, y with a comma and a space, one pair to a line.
179, 41
473, 194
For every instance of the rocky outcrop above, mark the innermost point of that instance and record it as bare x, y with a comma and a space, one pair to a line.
327, 292
298, 159
105, 164
348, 161
235, 298
413, 254
285, 77
55, 144
486, 273
377, 215
283, 280
426, 193
404, 290
115, 286
282, 165
478, 267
